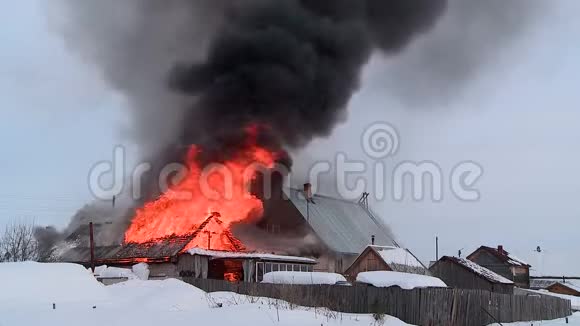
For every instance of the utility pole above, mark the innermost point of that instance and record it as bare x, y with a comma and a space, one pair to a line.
92, 246
436, 248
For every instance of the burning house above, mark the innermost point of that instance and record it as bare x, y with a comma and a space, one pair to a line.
183, 256
229, 89
302, 232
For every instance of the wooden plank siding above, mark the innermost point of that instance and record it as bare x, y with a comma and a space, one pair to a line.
369, 261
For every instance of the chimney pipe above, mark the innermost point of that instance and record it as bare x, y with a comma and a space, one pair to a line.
373, 240
308, 191
92, 246
500, 249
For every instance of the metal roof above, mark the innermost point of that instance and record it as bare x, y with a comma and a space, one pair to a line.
344, 226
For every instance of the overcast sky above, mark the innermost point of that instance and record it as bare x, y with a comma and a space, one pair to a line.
518, 120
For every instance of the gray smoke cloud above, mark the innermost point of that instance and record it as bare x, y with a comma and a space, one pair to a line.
200, 71
470, 36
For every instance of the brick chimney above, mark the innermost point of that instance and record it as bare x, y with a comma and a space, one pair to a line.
500, 250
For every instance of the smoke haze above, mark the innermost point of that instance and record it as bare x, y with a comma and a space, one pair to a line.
200, 71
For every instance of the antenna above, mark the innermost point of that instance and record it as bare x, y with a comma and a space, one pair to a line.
437, 248
364, 200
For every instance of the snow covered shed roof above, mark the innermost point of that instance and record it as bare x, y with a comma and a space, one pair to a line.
477, 270
502, 255
385, 279
216, 254
536, 284
344, 226
397, 256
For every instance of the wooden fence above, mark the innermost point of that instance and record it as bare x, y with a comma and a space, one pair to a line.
431, 306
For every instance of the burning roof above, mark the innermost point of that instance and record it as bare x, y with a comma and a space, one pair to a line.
162, 249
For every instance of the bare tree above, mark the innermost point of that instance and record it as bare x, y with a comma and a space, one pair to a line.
18, 243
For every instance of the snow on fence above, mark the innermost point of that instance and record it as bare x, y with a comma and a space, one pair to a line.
425, 306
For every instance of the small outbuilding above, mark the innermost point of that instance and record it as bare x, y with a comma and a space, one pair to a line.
564, 288
386, 258
503, 263
464, 274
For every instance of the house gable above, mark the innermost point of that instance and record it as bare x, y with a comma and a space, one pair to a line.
368, 261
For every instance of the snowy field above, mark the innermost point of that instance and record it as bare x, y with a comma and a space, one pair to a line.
28, 290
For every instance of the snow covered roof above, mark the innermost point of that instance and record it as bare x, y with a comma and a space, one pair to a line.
479, 270
504, 256
397, 256
248, 255
344, 226
302, 278
541, 284
403, 280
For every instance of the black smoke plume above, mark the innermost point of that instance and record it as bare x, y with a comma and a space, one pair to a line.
291, 65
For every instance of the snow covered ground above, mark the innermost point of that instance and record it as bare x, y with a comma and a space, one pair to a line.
28, 291
573, 321
574, 300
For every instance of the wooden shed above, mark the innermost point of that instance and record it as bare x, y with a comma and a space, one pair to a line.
464, 274
503, 263
386, 258
564, 288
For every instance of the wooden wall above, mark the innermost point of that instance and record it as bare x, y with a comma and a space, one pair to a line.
458, 277
521, 276
370, 261
431, 306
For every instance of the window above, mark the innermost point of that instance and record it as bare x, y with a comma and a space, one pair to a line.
268, 268
275, 268
273, 228
304, 268
259, 272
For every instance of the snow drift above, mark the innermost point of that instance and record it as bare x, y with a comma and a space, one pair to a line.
48, 283
302, 278
403, 280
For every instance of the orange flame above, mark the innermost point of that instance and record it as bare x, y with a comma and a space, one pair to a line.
221, 188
